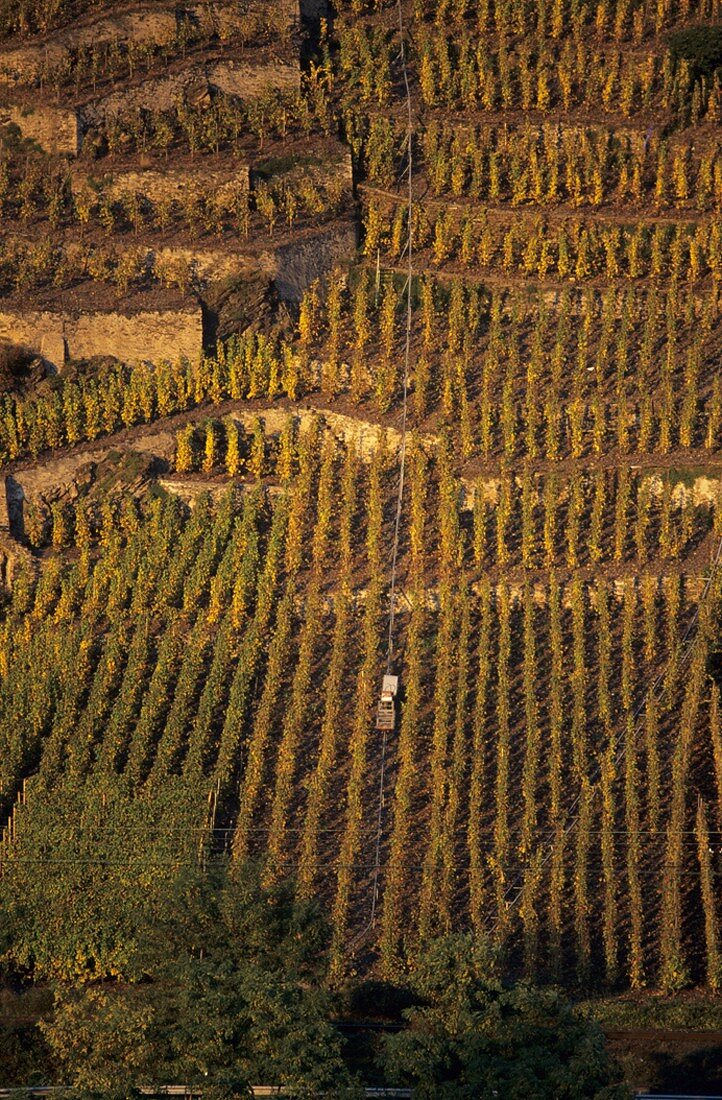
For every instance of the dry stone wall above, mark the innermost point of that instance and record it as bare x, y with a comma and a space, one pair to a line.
243, 79
157, 24
59, 129
55, 129
292, 265
169, 182
150, 336
331, 171
38, 331
155, 94
206, 265
247, 80
700, 489
24, 64
4, 507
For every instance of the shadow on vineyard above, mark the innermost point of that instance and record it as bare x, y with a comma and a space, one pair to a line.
380, 336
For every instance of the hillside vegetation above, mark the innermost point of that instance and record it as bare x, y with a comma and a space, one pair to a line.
197, 559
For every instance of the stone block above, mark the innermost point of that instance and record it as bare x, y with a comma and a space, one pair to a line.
149, 336
248, 81
55, 129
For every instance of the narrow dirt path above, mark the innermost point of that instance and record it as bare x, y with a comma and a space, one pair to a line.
605, 214
362, 425
156, 435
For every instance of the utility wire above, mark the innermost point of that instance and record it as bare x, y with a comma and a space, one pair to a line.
407, 357
376, 871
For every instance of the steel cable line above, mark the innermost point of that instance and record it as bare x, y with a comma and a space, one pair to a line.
407, 291
402, 471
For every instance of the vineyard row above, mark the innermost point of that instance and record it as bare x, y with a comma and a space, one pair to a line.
637, 370
198, 661
557, 19
456, 71
572, 249
545, 165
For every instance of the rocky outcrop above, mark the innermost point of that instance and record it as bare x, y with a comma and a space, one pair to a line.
299, 262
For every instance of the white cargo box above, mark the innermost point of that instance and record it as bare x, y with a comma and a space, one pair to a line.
390, 685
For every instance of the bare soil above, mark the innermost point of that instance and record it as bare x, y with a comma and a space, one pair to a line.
91, 295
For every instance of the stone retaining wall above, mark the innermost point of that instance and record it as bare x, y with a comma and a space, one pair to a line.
4, 507
169, 182
24, 64
243, 79
60, 129
140, 337
55, 129
39, 332
158, 25
247, 81
208, 265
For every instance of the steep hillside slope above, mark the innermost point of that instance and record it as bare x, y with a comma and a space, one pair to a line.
157, 158
198, 551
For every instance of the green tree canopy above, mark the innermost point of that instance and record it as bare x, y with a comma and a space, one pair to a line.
700, 46
233, 997
472, 1036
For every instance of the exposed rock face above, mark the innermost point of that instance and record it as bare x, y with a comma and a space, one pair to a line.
14, 558
298, 263
233, 304
143, 337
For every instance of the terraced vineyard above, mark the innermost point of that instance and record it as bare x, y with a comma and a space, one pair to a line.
199, 554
